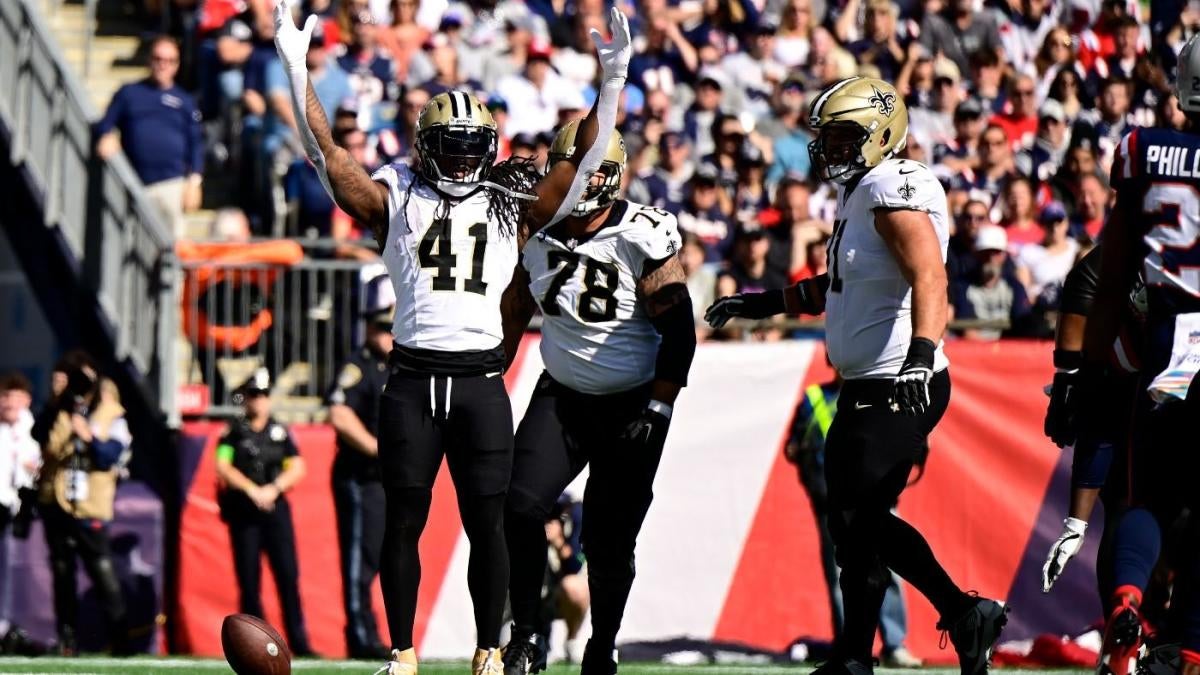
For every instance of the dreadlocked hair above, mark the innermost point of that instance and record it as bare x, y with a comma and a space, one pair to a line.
510, 184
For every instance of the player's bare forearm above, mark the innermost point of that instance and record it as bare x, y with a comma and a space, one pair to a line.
1070, 332
351, 429
1118, 265
551, 189
1083, 500
363, 199
662, 286
914, 244
516, 309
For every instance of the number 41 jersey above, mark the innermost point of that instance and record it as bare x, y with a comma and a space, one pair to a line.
596, 337
1157, 171
449, 267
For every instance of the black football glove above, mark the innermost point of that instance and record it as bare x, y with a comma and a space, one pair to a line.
1060, 413
650, 428
910, 395
746, 306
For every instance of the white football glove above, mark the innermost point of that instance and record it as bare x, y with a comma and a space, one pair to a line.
614, 55
292, 42
1064, 548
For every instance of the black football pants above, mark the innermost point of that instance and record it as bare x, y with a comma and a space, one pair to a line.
869, 454
563, 431
361, 506
253, 532
68, 537
468, 420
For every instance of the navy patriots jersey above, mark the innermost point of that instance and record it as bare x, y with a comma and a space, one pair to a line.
1156, 173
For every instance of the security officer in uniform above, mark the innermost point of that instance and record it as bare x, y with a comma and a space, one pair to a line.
358, 493
257, 464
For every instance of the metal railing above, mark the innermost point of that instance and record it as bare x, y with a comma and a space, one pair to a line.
120, 247
299, 321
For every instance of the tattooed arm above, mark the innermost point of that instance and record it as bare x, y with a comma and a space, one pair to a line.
664, 294
363, 199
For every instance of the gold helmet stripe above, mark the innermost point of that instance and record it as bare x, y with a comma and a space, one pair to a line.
815, 113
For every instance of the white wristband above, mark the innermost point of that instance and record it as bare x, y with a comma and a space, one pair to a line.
660, 408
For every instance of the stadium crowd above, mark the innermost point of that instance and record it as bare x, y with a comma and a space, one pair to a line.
1017, 106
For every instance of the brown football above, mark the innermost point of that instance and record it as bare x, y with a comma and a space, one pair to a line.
253, 647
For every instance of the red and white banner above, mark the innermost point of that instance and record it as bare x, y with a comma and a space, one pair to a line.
729, 549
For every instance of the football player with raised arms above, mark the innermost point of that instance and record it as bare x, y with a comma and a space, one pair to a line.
617, 342
450, 227
885, 303
1154, 229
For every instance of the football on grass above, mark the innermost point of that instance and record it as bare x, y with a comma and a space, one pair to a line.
253, 647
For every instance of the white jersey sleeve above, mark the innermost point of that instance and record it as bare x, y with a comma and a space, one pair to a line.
397, 177
653, 235
904, 184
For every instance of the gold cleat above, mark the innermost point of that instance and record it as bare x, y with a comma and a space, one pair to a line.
401, 663
486, 662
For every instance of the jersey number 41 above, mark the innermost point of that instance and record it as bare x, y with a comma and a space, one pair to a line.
437, 253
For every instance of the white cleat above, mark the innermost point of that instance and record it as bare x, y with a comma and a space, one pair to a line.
402, 663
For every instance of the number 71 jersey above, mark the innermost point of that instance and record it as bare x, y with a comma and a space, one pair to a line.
449, 263
596, 336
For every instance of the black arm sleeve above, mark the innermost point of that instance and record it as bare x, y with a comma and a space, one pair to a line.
1079, 290
678, 346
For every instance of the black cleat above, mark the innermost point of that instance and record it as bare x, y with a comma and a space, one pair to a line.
598, 661
974, 633
844, 667
524, 655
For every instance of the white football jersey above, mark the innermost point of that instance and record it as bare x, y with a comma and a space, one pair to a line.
868, 309
596, 337
449, 270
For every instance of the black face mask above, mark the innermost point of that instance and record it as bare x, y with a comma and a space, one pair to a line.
458, 150
841, 154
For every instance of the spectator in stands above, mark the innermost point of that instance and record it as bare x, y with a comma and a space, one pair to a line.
961, 153
987, 78
1080, 161
576, 61
665, 184
791, 138
794, 36
701, 280
403, 38
534, 96
1022, 27
961, 261
728, 138
1111, 119
1055, 55
996, 165
513, 59
1168, 115
1124, 57
667, 60
754, 73
1018, 208
1099, 40
880, 45
160, 132
1092, 207
84, 439
257, 464
936, 123
750, 193
749, 272
1067, 88
395, 144
449, 76
699, 118
1020, 121
1042, 160
1043, 267
20, 456
796, 229
702, 216
371, 73
960, 32
990, 294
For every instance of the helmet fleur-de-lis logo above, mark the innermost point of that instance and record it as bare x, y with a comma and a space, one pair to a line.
884, 102
906, 191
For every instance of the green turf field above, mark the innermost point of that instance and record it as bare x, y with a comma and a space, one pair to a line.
184, 666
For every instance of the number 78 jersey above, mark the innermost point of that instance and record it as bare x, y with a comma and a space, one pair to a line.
596, 337
449, 263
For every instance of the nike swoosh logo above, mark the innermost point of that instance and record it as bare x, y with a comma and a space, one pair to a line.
860, 406
492, 374
905, 173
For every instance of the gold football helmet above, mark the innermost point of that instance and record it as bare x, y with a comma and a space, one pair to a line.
455, 142
860, 122
597, 195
